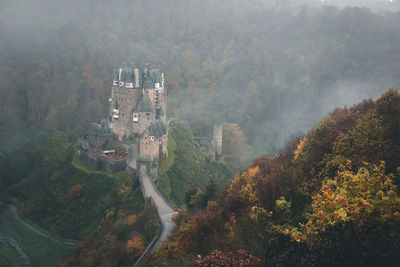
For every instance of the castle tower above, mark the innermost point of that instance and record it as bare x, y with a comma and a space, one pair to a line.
217, 139
137, 110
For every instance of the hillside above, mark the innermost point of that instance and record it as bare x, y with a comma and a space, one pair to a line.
330, 197
69, 200
187, 167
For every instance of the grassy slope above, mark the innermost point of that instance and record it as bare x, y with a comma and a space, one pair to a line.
9, 256
41, 251
75, 217
186, 166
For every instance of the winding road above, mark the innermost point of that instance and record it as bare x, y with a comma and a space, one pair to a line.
14, 212
165, 211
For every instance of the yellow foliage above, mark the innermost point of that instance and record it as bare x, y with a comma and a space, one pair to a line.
131, 219
123, 190
300, 148
256, 212
366, 197
245, 185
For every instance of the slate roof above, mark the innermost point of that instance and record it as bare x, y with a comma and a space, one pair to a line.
115, 75
151, 76
143, 159
144, 104
148, 83
158, 129
102, 129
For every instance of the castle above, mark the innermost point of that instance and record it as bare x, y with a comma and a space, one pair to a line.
137, 116
138, 111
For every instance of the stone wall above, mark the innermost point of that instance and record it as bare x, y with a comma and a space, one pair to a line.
127, 99
145, 119
100, 162
149, 148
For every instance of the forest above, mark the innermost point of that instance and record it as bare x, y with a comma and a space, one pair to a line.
329, 198
274, 68
268, 71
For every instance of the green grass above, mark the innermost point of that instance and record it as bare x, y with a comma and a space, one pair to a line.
187, 167
9, 256
41, 251
74, 217
81, 166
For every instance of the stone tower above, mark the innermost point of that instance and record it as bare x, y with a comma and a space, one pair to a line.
217, 139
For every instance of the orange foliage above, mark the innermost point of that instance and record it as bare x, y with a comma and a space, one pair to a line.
75, 191
55, 175
28, 208
135, 246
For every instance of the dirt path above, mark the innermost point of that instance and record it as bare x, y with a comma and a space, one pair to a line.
14, 212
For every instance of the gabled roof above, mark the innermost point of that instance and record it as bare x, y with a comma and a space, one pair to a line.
144, 104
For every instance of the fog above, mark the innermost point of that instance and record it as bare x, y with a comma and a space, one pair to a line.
274, 67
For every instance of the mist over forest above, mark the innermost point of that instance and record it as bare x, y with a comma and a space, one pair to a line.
273, 67
279, 146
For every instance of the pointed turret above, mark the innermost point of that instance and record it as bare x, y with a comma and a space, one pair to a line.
115, 77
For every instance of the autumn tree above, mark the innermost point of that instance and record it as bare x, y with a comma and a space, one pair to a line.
366, 141
234, 145
355, 219
221, 259
135, 246
75, 191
